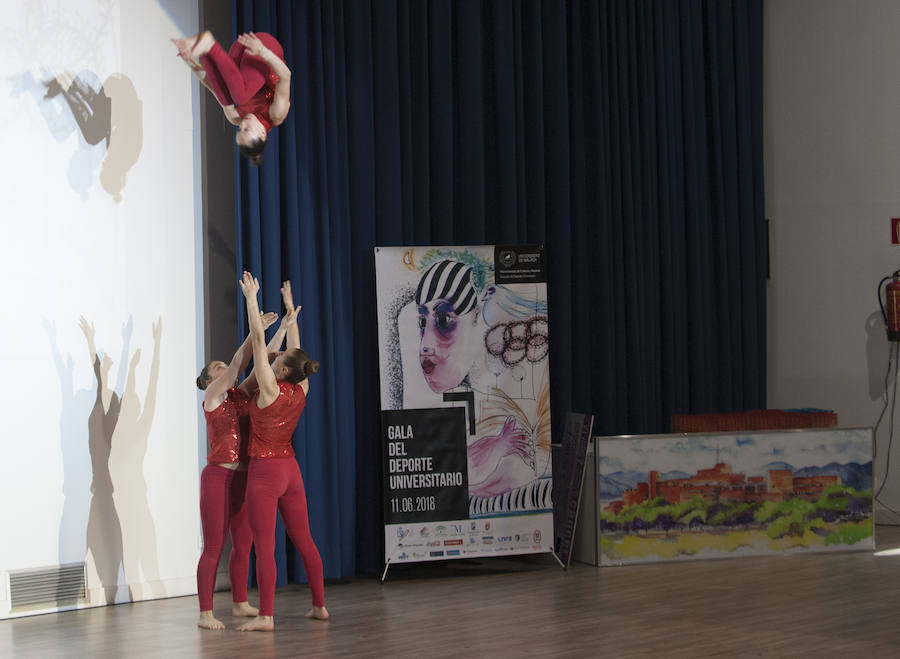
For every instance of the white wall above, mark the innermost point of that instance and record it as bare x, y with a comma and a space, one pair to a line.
832, 168
108, 232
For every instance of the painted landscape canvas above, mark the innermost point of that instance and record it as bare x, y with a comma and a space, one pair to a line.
684, 497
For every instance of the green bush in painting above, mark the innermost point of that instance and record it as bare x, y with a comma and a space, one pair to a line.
788, 525
795, 518
849, 534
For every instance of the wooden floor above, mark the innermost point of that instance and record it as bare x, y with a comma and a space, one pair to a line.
820, 605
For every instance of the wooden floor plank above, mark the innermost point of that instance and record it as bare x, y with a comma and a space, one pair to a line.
823, 605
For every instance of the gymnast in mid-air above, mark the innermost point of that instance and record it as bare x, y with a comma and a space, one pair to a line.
251, 82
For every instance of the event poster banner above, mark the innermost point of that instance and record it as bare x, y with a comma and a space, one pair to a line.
465, 398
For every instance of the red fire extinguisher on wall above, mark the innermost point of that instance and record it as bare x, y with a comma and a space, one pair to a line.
890, 306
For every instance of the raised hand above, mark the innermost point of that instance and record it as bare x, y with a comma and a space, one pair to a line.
286, 295
249, 285
268, 319
252, 43
290, 318
157, 330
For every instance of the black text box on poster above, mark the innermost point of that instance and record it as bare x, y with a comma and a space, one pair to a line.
519, 264
425, 468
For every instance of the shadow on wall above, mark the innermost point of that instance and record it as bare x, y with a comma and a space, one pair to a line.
116, 523
75, 407
104, 532
108, 117
877, 354
127, 464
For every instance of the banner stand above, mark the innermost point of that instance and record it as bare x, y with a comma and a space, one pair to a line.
558, 560
466, 442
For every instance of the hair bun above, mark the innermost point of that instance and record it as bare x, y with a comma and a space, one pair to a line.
312, 366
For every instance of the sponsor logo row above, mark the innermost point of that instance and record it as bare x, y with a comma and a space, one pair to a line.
475, 545
455, 530
441, 553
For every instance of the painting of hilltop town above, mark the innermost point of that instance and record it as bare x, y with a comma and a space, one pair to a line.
683, 497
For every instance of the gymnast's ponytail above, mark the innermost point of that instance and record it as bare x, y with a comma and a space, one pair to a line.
299, 365
203, 379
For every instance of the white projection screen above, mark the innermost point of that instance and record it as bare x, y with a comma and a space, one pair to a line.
102, 334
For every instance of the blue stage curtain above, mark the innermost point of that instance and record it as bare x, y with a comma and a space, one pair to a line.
625, 136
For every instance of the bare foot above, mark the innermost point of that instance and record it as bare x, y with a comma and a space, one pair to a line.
202, 44
243, 610
258, 624
208, 621
318, 612
183, 46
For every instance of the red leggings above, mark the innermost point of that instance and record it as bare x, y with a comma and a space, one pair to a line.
276, 483
235, 76
222, 509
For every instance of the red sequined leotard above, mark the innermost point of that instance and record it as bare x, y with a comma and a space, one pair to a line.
260, 102
227, 428
271, 428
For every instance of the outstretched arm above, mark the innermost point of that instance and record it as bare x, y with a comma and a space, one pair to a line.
217, 389
265, 376
293, 331
280, 105
150, 397
248, 385
290, 318
88, 330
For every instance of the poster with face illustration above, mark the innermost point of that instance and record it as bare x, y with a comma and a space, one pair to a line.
465, 396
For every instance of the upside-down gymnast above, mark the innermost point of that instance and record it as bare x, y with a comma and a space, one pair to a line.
223, 481
251, 82
274, 483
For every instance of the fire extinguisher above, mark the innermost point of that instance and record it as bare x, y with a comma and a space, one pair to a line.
890, 306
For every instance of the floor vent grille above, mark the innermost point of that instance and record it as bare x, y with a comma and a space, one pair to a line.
49, 585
